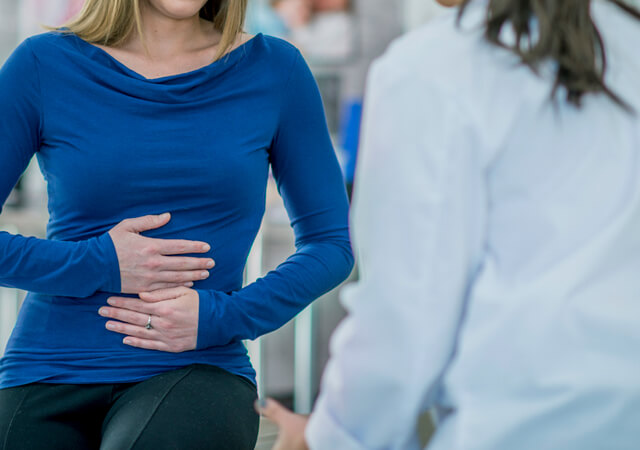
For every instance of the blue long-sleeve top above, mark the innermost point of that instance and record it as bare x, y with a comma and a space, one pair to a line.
112, 145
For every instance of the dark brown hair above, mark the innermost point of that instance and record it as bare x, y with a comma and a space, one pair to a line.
558, 30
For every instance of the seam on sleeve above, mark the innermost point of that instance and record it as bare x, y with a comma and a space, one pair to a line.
40, 100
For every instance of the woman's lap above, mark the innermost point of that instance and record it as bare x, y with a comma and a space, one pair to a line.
195, 407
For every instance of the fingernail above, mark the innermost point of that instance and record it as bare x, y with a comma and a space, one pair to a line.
165, 216
204, 274
127, 341
110, 326
262, 403
102, 311
206, 247
210, 264
111, 302
189, 284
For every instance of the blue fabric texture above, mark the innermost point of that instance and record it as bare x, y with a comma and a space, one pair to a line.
112, 145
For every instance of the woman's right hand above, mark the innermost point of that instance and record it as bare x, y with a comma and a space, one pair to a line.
147, 264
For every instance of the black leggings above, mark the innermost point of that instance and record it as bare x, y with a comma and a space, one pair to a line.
197, 407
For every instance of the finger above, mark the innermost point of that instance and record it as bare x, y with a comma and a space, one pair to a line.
157, 286
163, 294
145, 223
273, 410
131, 330
180, 278
146, 343
124, 315
180, 246
118, 298
178, 263
132, 304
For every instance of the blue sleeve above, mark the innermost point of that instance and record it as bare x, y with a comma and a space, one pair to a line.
74, 269
310, 182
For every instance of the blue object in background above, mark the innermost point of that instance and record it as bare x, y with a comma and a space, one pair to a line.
261, 18
350, 132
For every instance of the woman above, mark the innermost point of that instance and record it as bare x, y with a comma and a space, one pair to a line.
137, 108
497, 218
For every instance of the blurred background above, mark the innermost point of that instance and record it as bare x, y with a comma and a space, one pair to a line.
339, 39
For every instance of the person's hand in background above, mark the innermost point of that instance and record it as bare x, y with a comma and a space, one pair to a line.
291, 426
164, 320
148, 264
331, 5
294, 13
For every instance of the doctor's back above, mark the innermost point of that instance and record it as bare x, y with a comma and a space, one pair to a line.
530, 294
548, 349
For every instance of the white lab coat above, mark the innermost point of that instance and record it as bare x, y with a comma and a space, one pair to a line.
499, 244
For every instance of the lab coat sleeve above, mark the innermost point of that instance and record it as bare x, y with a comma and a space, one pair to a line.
418, 228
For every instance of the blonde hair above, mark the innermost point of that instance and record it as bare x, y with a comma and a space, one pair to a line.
111, 22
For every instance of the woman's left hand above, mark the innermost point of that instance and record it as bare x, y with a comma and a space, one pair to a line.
174, 319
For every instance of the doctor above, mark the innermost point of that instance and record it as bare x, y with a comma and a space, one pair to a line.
497, 211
